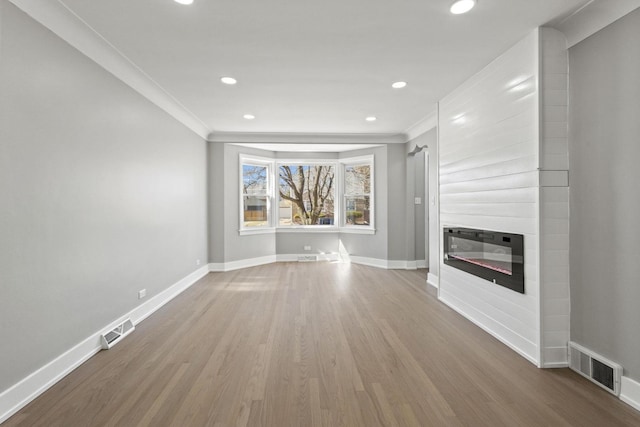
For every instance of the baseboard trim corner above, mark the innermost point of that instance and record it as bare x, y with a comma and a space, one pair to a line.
433, 280
26, 390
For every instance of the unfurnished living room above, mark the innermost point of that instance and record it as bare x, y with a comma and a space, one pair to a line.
340, 213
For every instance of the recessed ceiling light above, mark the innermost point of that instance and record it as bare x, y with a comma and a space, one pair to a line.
228, 80
184, 1
371, 119
399, 85
462, 6
249, 116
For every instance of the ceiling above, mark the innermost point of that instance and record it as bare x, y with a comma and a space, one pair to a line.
312, 67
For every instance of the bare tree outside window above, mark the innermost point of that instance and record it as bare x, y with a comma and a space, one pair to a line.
308, 191
255, 195
357, 194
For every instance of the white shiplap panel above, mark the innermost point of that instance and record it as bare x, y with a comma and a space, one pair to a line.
515, 181
489, 157
499, 169
510, 195
554, 198
508, 210
495, 223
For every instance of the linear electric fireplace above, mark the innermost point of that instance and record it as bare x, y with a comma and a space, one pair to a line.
497, 257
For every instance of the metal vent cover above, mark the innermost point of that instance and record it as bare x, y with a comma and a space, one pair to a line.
598, 369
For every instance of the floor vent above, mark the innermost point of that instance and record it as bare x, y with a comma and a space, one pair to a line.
596, 368
111, 338
307, 258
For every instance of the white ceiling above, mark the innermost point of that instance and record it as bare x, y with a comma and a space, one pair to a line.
312, 67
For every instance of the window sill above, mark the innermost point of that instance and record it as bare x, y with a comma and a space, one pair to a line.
252, 231
357, 230
307, 229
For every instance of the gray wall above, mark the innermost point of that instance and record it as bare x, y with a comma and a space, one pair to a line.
103, 194
294, 243
417, 232
398, 249
604, 145
216, 211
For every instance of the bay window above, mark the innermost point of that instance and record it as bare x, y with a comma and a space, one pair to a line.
295, 195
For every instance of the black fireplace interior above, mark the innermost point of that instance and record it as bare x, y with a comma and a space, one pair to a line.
496, 257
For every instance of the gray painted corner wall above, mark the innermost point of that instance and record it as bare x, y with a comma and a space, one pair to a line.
215, 191
396, 203
103, 194
604, 201
421, 209
426, 232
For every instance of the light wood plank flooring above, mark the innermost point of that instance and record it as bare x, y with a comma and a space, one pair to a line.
316, 344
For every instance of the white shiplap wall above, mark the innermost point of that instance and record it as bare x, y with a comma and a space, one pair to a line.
504, 167
489, 157
554, 198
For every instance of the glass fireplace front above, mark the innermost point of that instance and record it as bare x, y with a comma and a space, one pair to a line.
497, 257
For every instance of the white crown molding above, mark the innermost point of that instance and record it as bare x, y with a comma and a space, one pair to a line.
55, 16
26, 390
593, 17
423, 126
306, 138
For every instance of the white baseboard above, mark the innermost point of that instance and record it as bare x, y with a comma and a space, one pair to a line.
387, 264
555, 357
433, 280
630, 392
20, 394
321, 257
243, 263
372, 262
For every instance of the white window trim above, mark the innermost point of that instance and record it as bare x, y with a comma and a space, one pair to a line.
269, 164
307, 228
358, 229
273, 196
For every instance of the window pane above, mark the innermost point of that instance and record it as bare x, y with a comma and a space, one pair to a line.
254, 179
357, 179
306, 194
255, 211
357, 210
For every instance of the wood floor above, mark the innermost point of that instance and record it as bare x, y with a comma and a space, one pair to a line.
316, 344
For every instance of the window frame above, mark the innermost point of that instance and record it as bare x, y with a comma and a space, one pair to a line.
273, 195
367, 160
261, 162
314, 228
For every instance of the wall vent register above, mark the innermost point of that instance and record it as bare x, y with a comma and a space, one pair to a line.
494, 256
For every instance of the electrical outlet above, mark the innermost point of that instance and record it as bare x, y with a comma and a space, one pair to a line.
307, 247
197, 262
418, 201
142, 293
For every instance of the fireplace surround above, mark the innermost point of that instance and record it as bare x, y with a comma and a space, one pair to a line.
494, 256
